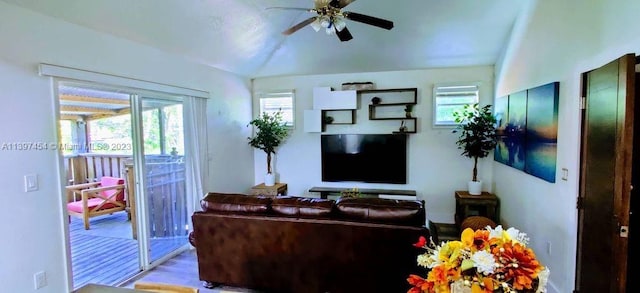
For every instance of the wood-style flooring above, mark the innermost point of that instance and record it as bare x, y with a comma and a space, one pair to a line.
182, 270
107, 254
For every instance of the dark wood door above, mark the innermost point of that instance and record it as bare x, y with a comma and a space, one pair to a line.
633, 285
605, 181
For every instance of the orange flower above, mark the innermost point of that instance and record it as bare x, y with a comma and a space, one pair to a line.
520, 265
438, 275
481, 239
419, 284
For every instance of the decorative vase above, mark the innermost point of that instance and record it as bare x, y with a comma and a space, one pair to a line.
475, 187
269, 179
459, 287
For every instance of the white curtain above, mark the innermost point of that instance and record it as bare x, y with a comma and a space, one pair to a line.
195, 136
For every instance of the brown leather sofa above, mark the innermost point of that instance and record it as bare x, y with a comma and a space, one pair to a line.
307, 245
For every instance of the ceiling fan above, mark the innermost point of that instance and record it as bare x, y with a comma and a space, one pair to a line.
331, 17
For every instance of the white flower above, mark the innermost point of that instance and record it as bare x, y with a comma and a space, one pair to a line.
434, 256
484, 262
424, 260
495, 232
543, 277
431, 258
518, 236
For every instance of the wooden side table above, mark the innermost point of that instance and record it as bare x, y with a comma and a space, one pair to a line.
279, 189
485, 204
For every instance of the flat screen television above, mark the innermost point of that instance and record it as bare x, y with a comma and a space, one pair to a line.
373, 158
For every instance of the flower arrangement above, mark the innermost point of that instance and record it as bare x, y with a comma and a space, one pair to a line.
483, 261
352, 193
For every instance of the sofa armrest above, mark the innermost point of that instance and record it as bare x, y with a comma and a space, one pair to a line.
192, 239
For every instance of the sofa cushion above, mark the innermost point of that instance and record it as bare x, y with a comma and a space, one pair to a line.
382, 210
235, 203
92, 203
302, 207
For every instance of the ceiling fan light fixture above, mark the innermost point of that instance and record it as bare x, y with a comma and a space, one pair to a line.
325, 22
339, 24
329, 15
329, 30
316, 25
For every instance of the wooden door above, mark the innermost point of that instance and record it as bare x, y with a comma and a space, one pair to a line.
634, 285
605, 179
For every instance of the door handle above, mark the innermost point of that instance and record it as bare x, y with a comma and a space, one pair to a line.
624, 231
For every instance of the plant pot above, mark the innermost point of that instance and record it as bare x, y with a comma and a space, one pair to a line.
475, 187
269, 179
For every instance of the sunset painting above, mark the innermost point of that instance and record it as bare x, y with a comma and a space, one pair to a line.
513, 141
542, 131
501, 112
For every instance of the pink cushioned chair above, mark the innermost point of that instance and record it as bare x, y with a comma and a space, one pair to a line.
97, 198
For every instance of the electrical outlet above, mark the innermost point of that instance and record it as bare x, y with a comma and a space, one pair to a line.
40, 280
548, 248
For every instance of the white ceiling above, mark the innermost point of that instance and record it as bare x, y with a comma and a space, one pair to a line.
242, 37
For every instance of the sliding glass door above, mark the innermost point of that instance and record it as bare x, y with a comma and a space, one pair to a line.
162, 179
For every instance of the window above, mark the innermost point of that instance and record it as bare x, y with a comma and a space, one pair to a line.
279, 101
66, 136
448, 99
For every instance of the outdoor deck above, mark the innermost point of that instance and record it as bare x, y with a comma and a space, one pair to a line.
107, 253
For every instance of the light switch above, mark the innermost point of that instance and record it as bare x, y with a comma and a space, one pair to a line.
30, 182
565, 174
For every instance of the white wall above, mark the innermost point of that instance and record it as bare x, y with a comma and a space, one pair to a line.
435, 167
33, 223
562, 40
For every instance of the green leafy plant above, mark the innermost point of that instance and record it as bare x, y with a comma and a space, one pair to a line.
271, 131
477, 133
407, 110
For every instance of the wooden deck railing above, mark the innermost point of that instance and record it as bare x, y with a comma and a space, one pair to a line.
83, 168
165, 194
165, 186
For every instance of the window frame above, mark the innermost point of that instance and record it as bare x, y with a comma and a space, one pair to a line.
276, 94
436, 91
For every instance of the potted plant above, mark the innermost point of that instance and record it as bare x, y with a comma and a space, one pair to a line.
270, 133
407, 110
477, 137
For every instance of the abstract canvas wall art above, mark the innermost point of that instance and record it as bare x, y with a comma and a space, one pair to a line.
501, 112
515, 130
542, 131
528, 139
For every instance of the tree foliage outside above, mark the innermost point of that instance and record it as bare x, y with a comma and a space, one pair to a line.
116, 130
477, 133
271, 131
112, 130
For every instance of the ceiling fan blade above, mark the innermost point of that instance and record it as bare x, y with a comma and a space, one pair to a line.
298, 26
344, 35
370, 20
341, 3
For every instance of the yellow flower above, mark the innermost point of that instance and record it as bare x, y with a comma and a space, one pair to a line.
467, 237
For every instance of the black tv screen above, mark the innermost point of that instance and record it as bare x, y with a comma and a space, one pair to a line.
373, 158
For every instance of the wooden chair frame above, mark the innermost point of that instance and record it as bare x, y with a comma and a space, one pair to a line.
94, 190
164, 288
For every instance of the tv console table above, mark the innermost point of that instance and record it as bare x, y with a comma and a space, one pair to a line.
325, 191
